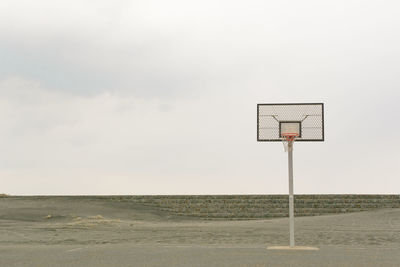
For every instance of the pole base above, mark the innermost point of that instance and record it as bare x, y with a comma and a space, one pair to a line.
291, 248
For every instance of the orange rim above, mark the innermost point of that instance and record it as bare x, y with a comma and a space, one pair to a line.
290, 136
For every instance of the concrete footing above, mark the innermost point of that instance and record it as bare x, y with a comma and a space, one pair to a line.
291, 248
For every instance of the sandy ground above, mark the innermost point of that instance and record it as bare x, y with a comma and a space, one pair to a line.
92, 232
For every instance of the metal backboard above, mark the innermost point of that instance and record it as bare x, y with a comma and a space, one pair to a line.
308, 118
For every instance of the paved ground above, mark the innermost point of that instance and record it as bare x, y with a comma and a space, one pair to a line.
98, 233
165, 255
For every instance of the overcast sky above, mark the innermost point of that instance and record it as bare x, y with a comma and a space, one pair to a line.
160, 97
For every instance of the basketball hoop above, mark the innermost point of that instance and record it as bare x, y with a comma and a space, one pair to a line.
288, 139
289, 122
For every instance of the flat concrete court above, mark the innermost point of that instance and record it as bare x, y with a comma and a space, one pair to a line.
78, 232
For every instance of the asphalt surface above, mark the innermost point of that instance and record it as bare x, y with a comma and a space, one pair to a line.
186, 255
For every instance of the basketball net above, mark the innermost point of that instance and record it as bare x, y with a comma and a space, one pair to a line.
288, 140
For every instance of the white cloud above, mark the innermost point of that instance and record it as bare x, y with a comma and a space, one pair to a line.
51, 134
159, 97
108, 143
159, 49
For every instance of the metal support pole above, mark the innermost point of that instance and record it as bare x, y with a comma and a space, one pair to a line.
291, 200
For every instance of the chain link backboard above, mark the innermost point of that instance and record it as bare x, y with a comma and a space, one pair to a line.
307, 119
